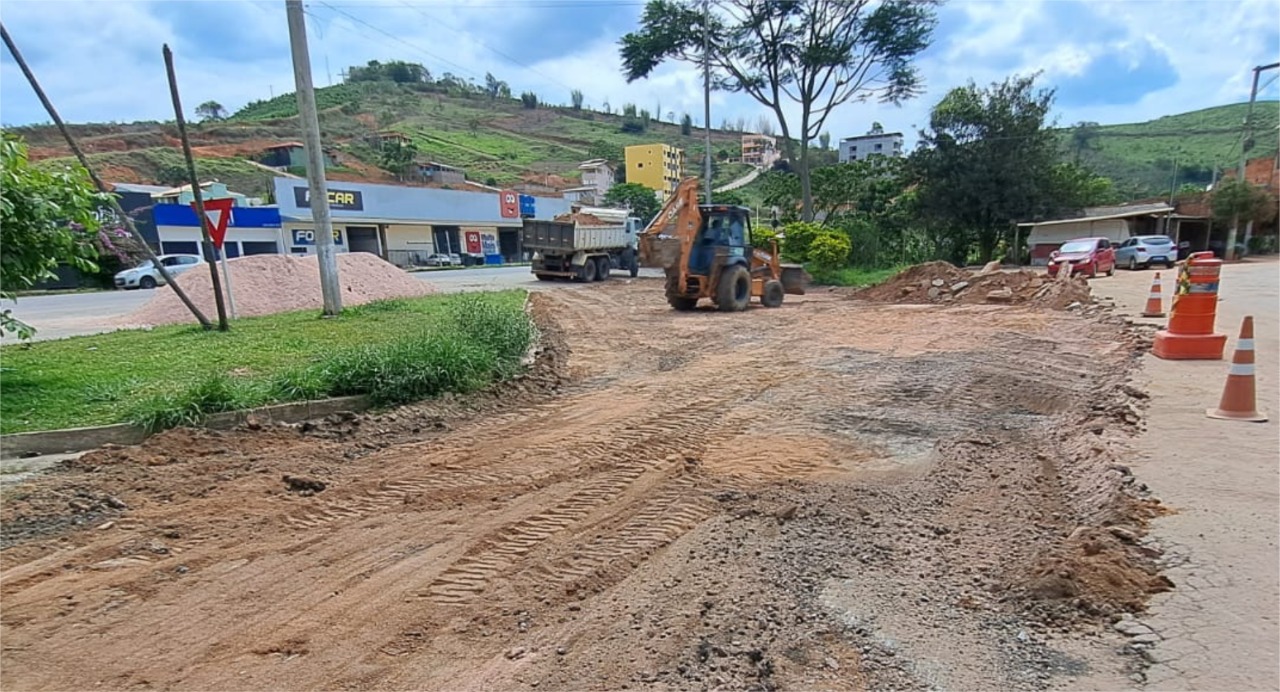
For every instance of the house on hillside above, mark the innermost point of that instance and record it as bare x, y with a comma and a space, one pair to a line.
598, 174
436, 172
759, 150
872, 144
288, 155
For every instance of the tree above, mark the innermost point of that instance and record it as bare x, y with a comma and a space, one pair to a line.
576, 97
642, 201
1084, 137
686, 125
495, 88
764, 125
987, 162
46, 219
816, 53
1233, 197
876, 128
211, 110
397, 156
529, 99
732, 197
824, 140
601, 149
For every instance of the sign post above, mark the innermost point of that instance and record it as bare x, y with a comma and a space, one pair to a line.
217, 214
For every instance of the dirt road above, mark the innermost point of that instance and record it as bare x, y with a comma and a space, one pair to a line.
834, 494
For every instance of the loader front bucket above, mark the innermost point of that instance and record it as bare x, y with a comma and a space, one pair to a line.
793, 279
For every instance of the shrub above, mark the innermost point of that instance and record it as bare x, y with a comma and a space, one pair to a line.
189, 406
829, 250
799, 236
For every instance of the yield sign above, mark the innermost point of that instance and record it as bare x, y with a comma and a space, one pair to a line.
218, 213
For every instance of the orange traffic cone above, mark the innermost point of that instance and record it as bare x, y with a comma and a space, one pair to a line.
1155, 300
1240, 396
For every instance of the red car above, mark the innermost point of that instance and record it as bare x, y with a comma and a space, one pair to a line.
1088, 256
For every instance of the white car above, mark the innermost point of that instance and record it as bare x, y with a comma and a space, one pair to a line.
146, 275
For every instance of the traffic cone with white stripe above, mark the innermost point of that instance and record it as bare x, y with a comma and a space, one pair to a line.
1155, 300
1240, 396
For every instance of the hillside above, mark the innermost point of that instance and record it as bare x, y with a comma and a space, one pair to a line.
1140, 156
493, 140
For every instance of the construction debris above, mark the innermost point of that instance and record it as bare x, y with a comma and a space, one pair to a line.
941, 282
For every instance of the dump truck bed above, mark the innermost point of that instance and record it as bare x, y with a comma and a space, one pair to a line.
560, 236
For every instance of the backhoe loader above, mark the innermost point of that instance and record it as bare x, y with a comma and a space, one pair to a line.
706, 252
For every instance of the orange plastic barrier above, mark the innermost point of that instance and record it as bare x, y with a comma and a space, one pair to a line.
1240, 395
1190, 335
1155, 300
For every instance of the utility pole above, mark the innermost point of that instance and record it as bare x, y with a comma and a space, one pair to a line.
706, 93
318, 186
1246, 144
210, 253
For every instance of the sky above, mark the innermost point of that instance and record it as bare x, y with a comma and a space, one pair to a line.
1111, 61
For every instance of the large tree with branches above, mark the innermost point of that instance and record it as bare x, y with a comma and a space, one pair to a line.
817, 54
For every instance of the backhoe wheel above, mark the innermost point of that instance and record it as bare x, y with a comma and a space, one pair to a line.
602, 269
588, 271
675, 297
734, 291
773, 294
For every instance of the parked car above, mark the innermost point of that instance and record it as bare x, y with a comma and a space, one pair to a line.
1146, 250
1089, 256
440, 260
146, 275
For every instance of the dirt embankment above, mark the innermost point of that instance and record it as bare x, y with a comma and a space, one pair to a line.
267, 284
832, 495
944, 283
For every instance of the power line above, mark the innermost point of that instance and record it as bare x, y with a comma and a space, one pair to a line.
399, 40
486, 46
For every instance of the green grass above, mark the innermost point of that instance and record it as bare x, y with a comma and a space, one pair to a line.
852, 276
393, 351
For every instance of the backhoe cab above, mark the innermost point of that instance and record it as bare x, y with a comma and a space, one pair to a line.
706, 252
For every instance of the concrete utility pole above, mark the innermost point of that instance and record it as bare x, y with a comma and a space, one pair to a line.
706, 92
319, 188
1245, 146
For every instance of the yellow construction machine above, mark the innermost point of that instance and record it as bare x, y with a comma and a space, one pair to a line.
706, 252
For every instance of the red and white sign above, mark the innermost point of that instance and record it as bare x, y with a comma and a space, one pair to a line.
473, 242
510, 203
218, 214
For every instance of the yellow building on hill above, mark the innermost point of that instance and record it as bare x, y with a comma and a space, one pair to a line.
658, 167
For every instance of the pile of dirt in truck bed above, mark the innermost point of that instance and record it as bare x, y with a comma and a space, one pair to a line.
267, 284
940, 282
581, 218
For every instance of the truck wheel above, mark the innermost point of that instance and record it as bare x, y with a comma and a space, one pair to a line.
635, 268
630, 263
147, 282
734, 291
602, 269
773, 294
588, 271
675, 298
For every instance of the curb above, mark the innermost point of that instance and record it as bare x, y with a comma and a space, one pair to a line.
71, 440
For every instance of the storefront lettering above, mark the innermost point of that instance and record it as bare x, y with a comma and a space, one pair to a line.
346, 200
306, 236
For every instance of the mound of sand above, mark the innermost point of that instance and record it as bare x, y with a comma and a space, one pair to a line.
940, 282
581, 218
267, 284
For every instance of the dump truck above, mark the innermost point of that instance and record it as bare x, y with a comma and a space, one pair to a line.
585, 245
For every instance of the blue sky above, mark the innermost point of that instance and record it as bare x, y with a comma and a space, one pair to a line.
1111, 60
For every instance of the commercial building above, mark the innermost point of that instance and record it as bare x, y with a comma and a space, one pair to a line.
658, 167
405, 225
873, 144
759, 150
250, 230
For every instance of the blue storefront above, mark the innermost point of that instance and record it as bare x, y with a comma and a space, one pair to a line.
250, 231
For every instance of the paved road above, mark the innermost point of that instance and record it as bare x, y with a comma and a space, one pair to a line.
60, 316
1218, 628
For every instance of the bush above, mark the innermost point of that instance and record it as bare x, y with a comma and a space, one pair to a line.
189, 406
829, 250
799, 236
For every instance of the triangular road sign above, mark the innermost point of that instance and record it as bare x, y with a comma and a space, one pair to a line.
218, 213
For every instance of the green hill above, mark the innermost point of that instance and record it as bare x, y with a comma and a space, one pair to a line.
491, 139
1141, 157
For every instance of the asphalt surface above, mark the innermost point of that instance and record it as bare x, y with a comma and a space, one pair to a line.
72, 314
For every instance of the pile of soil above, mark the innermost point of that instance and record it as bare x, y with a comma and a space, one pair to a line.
941, 282
267, 284
581, 218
